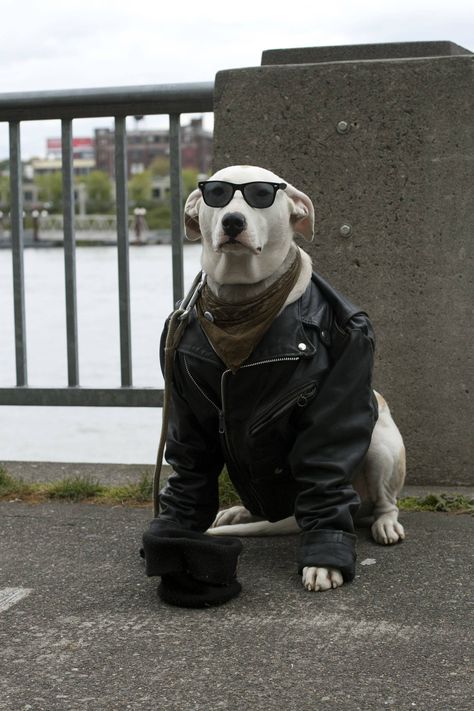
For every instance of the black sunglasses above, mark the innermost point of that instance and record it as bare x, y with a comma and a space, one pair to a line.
219, 193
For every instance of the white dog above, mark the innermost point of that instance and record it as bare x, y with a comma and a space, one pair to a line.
243, 259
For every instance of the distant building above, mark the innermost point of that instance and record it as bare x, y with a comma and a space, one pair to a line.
160, 188
82, 148
196, 146
46, 166
31, 196
98, 153
37, 167
143, 146
29, 189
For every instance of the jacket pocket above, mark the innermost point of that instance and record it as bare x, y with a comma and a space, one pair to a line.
299, 397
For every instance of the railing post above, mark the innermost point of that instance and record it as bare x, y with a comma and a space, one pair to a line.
121, 175
176, 190
67, 105
69, 252
16, 220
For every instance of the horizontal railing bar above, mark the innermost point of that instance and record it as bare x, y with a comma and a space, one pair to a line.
192, 97
82, 397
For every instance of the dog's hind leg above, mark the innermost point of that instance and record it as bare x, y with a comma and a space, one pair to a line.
382, 477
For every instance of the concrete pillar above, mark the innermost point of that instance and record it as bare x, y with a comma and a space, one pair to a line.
385, 148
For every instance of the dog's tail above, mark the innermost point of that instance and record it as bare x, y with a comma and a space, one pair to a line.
257, 528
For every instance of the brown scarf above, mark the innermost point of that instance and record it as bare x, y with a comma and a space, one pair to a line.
234, 330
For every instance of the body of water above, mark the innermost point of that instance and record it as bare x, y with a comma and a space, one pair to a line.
128, 435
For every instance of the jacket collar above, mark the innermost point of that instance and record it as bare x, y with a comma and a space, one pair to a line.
287, 336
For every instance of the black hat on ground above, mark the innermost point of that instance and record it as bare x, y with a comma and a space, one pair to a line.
196, 570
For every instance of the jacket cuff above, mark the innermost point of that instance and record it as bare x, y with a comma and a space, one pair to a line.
328, 549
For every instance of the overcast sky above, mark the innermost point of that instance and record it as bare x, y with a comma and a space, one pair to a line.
61, 44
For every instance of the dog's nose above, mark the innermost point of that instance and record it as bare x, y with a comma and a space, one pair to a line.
234, 223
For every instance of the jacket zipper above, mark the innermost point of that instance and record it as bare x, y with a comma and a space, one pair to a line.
269, 360
221, 410
249, 365
247, 483
222, 427
298, 397
206, 397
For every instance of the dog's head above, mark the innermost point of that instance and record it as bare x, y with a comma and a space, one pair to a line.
242, 243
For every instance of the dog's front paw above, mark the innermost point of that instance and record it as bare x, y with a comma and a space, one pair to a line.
387, 530
319, 579
236, 514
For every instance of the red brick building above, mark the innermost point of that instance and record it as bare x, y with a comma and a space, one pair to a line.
143, 146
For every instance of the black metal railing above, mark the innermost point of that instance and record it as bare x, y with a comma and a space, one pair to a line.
170, 99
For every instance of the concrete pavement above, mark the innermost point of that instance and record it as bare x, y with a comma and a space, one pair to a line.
81, 626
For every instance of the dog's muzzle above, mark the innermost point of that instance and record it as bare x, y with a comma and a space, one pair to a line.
233, 223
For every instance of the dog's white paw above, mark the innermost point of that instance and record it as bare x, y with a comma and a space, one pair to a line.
319, 579
387, 530
236, 514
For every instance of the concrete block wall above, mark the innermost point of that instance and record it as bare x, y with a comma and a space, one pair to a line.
385, 148
361, 52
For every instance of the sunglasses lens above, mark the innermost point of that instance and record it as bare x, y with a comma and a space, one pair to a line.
217, 193
259, 194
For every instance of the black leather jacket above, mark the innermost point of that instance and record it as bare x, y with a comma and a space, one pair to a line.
292, 425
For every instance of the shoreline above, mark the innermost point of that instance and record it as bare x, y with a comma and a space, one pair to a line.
93, 239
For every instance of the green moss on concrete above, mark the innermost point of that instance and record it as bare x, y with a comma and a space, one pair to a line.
448, 503
90, 490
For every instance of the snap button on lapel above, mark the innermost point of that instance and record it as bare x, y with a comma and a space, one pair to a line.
208, 316
302, 346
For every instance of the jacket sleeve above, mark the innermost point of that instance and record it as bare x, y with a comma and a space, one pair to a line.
190, 498
334, 433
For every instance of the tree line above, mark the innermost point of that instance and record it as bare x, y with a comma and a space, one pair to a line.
99, 198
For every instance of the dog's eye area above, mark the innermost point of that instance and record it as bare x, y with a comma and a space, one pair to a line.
216, 191
259, 194
263, 191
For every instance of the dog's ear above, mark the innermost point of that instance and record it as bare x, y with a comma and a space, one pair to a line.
191, 216
302, 213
